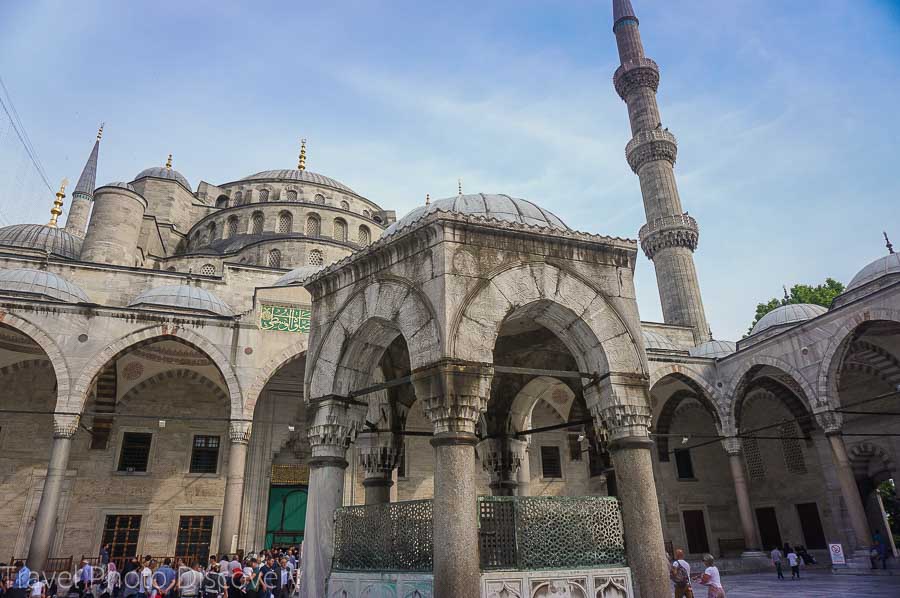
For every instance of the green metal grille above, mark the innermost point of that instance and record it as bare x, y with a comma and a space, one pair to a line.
388, 537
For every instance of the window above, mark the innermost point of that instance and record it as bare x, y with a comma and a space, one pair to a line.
291, 195
345, 206
574, 447
313, 226
207, 270
340, 230
212, 231
194, 536
320, 199
121, 533
367, 213
248, 196
232, 227
755, 466
401, 461
791, 449
683, 464
222, 202
365, 237
551, 464
274, 259
316, 258
256, 223
238, 199
263, 195
135, 451
285, 222
205, 454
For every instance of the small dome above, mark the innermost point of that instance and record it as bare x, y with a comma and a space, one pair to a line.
714, 349
182, 296
161, 172
297, 275
43, 238
121, 184
655, 340
41, 284
883, 266
500, 207
788, 314
296, 174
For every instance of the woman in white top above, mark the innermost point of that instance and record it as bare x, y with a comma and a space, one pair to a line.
711, 578
113, 580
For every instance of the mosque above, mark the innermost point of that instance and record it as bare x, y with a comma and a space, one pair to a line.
195, 369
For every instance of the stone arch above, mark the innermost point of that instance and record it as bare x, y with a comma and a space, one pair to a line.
784, 388
863, 455
836, 350
686, 374
28, 364
529, 395
558, 299
742, 377
271, 367
50, 348
146, 336
368, 321
698, 391
181, 374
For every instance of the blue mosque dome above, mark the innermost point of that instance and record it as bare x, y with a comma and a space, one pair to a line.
714, 349
164, 172
888, 264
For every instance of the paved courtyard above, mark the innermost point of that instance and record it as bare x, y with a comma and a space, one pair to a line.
813, 584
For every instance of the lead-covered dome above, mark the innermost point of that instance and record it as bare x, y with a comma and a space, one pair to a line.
497, 206
297, 275
788, 314
41, 237
182, 296
296, 174
714, 349
164, 172
121, 185
655, 340
40, 284
888, 264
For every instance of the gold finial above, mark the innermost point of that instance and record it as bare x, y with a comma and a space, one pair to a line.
427, 199
169, 163
100, 131
459, 185
887, 243
301, 163
56, 210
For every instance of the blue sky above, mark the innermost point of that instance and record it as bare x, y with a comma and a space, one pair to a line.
786, 113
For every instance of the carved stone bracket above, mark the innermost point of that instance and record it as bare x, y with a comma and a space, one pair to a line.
65, 424
334, 423
454, 393
680, 230
379, 454
635, 74
830, 421
732, 445
648, 146
502, 457
239, 431
620, 407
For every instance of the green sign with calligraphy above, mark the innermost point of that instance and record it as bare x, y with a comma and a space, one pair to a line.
284, 319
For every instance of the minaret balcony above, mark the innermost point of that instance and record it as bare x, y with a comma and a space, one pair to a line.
634, 74
647, 146
679, 230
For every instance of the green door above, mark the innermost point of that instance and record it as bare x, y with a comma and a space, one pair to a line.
287, 515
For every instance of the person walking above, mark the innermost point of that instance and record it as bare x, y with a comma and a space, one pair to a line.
794, 562
213, 583
711, 578
85, 578
113, 581
680, 574
776, 560
39, 589
104, 554
22, 581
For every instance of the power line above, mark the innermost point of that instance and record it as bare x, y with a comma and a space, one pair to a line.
21, 133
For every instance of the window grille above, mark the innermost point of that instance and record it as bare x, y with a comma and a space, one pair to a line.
551, 463
238, 199
135, 451
205, 454
207, 270
684, 465
345, 206
194, 536
340, 230
121, 533
274, 259
365, 237
291, 195
222, 202
263, 195
316, 258
320, 199
755, 466
313, 226
232, 226
791, 448
285, 222
256, 223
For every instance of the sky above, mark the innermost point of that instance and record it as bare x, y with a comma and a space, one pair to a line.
785, 111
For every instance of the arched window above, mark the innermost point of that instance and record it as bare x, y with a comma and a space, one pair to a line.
248, 196
263, 195
232, 227
222, 202
292, 195
316, 258
340, 230
313, 226
170, 269
364, 235
207, 270
320, 199
367, 213
256, 223
345, 206
274, 259
196, 240
211, 231
238, 199
285, 222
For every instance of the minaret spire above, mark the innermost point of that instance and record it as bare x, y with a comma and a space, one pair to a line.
670, 236
88, 180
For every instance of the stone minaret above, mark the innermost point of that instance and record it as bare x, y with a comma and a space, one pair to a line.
670, 237
83, 196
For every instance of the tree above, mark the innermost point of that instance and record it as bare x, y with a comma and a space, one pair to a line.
822, 294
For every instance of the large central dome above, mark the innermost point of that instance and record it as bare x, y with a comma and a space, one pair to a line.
496, 206
296, 174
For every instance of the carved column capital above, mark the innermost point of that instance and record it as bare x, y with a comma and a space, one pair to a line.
831, 422
333, 423
239, 431
620, 406
502, 457
454, 394
65, 424
732, 445
379, 454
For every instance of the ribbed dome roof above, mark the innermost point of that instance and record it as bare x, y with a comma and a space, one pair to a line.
714, 349
655, 340
182, 296
788, 314
883, 266
497, 206
296, 174
297, 275
161, 172
40, 283
43, 238
120, 184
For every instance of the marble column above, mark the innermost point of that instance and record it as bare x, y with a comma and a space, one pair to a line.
335, 422
64, 428
239, 437
752, 543
379, 456
523, 476
454, 396
831, 423
502, 458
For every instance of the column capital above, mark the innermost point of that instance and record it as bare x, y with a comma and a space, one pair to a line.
620, 407
830, 421
502, 457
732, 445
454, 393
65, 424
334, 422
239, 431
379, 454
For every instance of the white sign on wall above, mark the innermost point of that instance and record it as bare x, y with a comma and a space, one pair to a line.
837, 554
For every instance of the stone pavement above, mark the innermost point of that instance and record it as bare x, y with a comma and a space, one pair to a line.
813, 584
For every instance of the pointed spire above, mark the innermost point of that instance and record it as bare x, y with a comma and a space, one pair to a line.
622, 10
887, 243
427, 199
88, 179
169, 163
301, 163
56, 210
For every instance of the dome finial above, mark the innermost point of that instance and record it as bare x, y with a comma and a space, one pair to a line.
56, 210
100, 131
887, 243
787, 296
301, 164
169, 163
459, 185
427, 199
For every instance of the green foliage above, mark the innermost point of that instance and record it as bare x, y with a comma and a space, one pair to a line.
822, 294
888, 493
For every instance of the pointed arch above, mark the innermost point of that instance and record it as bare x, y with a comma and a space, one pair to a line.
742, 377
292, 353
50, 348
174, 374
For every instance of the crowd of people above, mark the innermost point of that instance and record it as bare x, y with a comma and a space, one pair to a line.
268, 574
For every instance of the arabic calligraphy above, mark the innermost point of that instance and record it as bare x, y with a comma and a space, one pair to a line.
284, 319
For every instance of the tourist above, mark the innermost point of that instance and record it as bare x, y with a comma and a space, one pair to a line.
285, 579
711, 578
163, 580
104, 554
22, 581
39, 589
132, 581
794, 562
878, 552
113, 581
85, 578
147, 578
235, 565
680, 574
235, 586
267, 576
776, 557
213, 583
190, 580
253, 587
